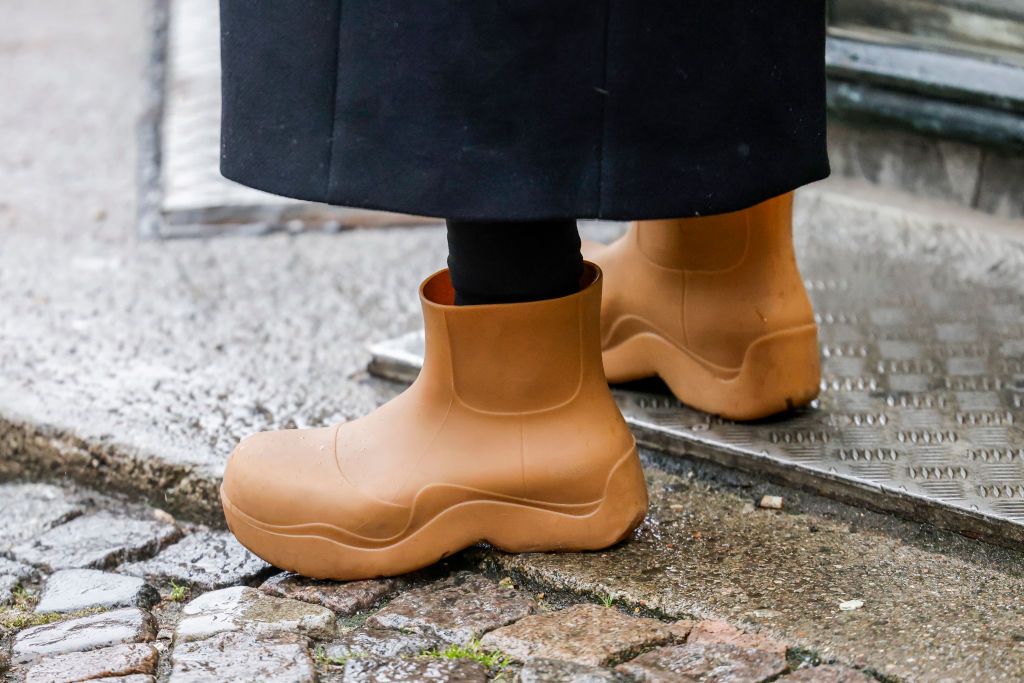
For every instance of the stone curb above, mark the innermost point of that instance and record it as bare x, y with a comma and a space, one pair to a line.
47, 453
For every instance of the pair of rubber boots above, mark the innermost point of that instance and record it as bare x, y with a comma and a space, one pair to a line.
510, 434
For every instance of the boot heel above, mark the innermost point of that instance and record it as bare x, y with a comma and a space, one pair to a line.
780, 372
620, 511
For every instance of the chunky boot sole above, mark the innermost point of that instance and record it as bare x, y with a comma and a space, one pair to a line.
780, 371
324, 551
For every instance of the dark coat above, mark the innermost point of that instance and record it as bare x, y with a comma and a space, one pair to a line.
525, 109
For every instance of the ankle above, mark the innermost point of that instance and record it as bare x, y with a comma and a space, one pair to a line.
701, 243
504, 262
719, 242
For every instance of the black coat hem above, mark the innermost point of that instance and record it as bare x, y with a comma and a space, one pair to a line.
526, 110
735, 201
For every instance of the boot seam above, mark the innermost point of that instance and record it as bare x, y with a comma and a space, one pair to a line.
486, 495
570, 398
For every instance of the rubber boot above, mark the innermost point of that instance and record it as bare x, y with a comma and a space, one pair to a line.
715, 307
509, 435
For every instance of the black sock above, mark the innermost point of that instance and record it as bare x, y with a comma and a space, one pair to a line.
493, 262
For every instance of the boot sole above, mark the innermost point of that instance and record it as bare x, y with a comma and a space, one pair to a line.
780, 372
511, 525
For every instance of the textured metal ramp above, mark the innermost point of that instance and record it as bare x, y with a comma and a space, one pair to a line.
922, 404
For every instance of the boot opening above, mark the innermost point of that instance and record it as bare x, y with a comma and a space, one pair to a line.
438, 287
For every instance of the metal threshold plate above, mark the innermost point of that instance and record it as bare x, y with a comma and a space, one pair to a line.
922, 402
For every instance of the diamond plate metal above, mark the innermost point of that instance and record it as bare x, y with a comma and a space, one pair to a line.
922, 403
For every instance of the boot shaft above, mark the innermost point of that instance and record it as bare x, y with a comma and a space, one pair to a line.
714, 284
512, 358
759, 235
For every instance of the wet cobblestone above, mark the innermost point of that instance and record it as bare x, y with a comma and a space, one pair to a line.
131, 625
585, 634
281, 658
342, 598
458, 610
242, 608
31, 509
364, 642
108, 662
705, 662
11, 575
98, 541
205, 560
555, 671
724, 633
827, 674
376, 670
72, 590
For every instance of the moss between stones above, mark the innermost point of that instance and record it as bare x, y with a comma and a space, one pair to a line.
20, 614
178, 592
496, 662
491, 659
321, 658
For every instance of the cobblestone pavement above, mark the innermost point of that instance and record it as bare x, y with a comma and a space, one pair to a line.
154, 599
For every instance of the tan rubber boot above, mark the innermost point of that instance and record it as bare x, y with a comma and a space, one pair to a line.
714, 306
509, 435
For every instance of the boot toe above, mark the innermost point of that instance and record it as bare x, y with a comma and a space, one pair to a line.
289, 481
268, 474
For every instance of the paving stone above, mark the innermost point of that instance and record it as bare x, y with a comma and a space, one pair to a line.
722, 632
7, 585
31, 509
379, 670
96, 541
242, 608
129, 625
585, 634
206, 560
827, 674
20, 570
705, 662
459, 609
243, 657
70, 590
681, 629
556, 671
116, 661
11, 574
343, 599
372, 642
